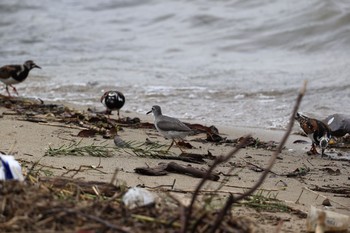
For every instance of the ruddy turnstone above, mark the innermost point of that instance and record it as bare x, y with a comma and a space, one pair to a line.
169, 127
13, 74
316, 130
113, 100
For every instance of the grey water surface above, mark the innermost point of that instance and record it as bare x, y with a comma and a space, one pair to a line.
226, 62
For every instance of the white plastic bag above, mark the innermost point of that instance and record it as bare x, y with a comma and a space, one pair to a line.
137, 197
10, 169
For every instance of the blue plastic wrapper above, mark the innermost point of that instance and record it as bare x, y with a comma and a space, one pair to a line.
10, 169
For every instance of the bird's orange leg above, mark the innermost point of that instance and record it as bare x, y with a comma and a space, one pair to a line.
313, 150
179, 146
7, 90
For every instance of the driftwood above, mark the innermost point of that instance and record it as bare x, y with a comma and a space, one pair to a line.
152, 171
165, 168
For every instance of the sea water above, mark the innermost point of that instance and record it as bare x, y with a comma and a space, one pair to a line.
227, 62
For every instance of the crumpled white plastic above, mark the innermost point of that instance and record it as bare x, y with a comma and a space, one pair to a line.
137, 197
10, 169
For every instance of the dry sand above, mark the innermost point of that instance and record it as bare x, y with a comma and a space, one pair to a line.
29, 141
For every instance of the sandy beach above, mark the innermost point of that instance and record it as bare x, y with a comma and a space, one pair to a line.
292, 180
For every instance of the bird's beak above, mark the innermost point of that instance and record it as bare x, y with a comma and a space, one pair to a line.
36, 66
148, 112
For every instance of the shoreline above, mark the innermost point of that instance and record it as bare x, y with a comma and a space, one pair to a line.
29, 141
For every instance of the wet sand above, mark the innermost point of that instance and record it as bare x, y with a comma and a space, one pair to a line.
28, 142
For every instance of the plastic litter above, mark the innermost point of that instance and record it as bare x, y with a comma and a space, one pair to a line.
10, 169
339, 124
328, 220
137, 197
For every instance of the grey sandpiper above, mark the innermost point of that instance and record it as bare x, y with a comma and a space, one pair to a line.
169, 127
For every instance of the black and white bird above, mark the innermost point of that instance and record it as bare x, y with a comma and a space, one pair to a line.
13, 74
113, 100
316, 130
169, 127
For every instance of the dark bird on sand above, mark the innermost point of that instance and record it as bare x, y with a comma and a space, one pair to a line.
113, 100
316, 130
13, 74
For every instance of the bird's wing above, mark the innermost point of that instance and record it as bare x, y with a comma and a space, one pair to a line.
172, 125
324, 129
7, 71
307, 124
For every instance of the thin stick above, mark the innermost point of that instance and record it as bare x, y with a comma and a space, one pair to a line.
297, 201
152, 219
114, 177
246, 187
257, 166
29, 173
173, 186
62, 126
